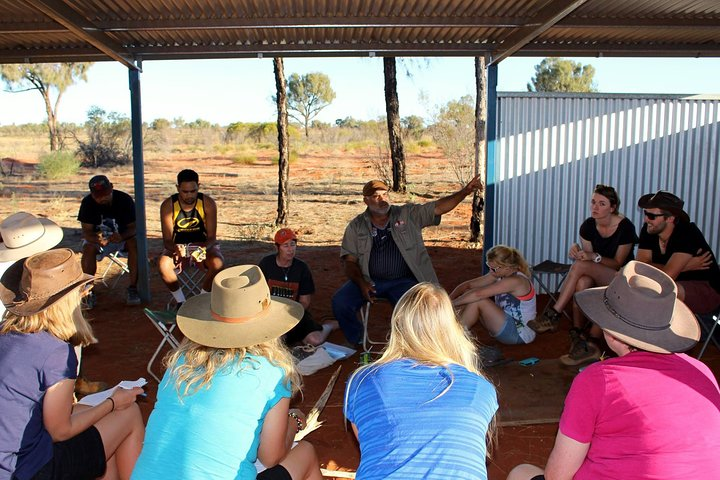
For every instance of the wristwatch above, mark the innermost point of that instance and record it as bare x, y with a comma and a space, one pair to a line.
598, 258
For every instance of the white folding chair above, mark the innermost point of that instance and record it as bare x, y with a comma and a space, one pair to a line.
165, 322
191, 275
118, 260
555, 270
365, 319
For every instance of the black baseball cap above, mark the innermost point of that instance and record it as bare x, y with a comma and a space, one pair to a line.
99, 185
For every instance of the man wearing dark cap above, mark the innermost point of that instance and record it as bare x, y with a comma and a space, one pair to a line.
383, 251
674, 244
107, 217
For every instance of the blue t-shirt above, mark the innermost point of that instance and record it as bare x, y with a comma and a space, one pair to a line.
30, 364
407, 429
215, 432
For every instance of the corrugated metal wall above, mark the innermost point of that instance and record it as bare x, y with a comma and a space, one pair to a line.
554, 148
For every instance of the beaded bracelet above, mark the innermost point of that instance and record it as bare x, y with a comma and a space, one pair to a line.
113, 404
297, 420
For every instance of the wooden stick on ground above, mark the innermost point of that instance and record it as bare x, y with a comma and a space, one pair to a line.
312, 421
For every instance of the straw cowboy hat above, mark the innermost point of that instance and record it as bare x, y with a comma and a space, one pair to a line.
640, 307
665, 201
238, 312
23, 234
30, 287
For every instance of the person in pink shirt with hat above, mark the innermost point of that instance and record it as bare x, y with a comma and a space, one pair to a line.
650, 413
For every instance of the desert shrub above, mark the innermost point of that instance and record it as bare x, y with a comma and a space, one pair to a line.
58, 165
454, 133
245, 159
108, 141
424, 143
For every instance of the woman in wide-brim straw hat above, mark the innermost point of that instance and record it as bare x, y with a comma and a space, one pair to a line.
424, 409
42, 434
224, 400
650, 413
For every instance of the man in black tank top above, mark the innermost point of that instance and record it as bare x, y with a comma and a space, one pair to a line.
188, 218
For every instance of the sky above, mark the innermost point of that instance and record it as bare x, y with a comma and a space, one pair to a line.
241, 90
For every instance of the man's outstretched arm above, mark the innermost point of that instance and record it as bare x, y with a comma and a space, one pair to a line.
446, 204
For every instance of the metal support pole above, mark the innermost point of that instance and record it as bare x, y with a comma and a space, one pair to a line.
139, 176
492, 126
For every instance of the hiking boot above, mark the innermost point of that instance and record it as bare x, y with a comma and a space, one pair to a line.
581, 350
548, 321
133, 297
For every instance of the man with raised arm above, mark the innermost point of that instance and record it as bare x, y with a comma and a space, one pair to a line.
383, 251
188, 218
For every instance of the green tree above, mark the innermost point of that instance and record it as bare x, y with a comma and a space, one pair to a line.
454, 133
46, 78
561, 75
307, 95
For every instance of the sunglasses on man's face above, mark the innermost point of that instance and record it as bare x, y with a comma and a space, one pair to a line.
653, 216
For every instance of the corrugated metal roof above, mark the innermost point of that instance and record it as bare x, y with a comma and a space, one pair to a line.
126, 30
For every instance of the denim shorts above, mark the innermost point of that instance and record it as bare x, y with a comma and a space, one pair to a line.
509, 334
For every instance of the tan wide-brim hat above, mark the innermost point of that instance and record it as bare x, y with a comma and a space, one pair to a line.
24, 234
238, 312
32, 286
640, 307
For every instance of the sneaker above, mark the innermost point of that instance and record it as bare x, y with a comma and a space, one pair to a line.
581, 351
133, 297
548, 321
89, 301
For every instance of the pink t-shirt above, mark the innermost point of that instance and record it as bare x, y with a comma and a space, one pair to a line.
646, 416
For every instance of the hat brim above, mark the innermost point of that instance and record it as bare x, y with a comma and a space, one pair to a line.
195, 321
682, 334
51, 237
679, 213
10, 292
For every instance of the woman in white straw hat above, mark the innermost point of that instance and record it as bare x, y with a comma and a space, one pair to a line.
651, 413
424, 409
42, 434
224, 400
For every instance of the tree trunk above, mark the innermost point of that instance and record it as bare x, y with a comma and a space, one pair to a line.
478, 205
283, 143
392, 107
51, 122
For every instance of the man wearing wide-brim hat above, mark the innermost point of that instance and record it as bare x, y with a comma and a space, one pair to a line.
672, 243
649, 413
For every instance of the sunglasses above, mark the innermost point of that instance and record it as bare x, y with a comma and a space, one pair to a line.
653, 216
493, 269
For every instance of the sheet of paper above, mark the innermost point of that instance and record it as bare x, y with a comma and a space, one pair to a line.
99, 397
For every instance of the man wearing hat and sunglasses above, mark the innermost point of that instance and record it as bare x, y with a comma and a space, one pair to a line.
670, 242
383, 251
107, 217
650, 413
